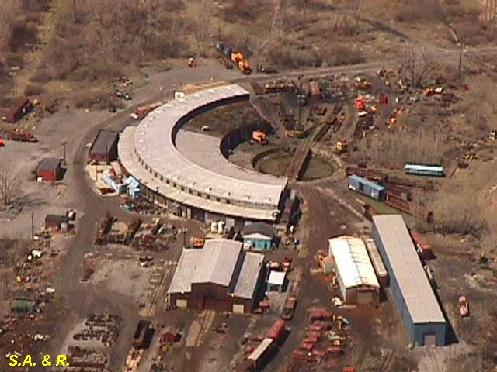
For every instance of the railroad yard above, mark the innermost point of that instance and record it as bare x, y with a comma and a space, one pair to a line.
226, 218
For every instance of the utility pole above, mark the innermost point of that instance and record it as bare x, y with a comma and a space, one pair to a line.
64, 151
32, 226
460, 59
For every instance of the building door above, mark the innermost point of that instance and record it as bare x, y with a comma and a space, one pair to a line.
217, 305
181, 303
364, 297
430, 339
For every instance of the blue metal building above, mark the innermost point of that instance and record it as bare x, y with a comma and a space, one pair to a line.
367, 187
411, 290
259, 236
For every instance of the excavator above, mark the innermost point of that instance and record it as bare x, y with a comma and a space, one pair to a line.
258, 136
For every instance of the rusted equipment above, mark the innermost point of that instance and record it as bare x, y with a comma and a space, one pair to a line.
320, 314
142, 111
289, 308
20, 108
104, 227
197, 242
370, 174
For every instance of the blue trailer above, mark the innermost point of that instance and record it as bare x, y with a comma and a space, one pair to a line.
366, 187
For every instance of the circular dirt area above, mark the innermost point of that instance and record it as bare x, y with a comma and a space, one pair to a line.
276, 163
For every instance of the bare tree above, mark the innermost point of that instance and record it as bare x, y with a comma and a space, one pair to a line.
8, 186
415, 68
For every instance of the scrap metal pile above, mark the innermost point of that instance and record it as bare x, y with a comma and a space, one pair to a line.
324, 340
90, 347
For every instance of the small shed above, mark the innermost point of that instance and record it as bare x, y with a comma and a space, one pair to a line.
355, 273
276, 281
56, 222
22, 303
49, 170
104, 148
259, 236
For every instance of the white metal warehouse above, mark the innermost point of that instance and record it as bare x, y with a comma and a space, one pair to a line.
149, 153
355, 273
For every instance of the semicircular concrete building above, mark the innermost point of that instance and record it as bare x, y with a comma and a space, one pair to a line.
149, 153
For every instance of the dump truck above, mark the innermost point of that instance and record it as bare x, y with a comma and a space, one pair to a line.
258, 136
235, 57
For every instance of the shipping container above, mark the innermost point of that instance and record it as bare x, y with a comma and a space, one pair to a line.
366, 187
277, 331
428, 170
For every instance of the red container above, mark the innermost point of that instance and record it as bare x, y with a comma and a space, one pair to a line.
277, 330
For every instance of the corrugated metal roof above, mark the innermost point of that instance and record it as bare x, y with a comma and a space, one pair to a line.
187, 265
104, 142
249, 274
48, 164
406, 266
133, 166
217, 263
352, 262
154, 144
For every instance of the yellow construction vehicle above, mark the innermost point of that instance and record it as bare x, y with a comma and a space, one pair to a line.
341, 147
258, 136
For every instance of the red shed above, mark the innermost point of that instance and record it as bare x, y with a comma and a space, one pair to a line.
49, 170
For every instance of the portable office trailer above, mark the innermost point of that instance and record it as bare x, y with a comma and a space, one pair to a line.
366, 187
411, 290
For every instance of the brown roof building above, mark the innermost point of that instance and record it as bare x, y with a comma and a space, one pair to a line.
221, 276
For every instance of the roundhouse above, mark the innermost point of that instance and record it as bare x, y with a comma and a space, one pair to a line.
149, 153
